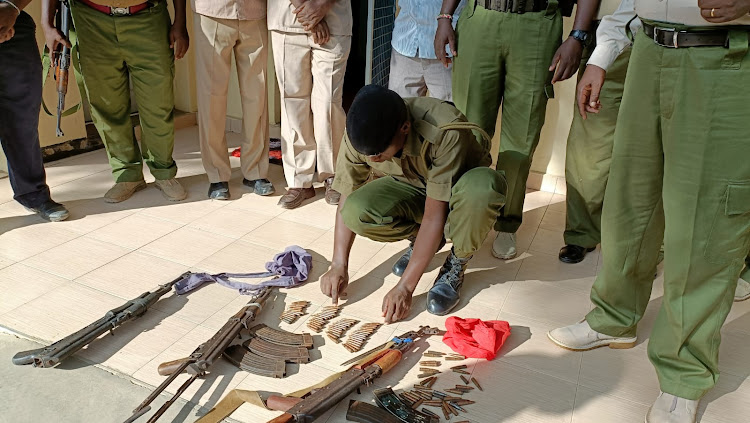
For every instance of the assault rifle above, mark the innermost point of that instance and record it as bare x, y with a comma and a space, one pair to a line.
203, 357
308, 409
61, 62
60, 350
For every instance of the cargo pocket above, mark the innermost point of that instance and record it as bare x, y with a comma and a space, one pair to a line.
549, 91
729, 238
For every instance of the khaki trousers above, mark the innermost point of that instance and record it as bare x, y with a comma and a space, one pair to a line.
414, 76
215, 40
311, 82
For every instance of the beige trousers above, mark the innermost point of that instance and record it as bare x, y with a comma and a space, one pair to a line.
215, 40
311, 82
414, 77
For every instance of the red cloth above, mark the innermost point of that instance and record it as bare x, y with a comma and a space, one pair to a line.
475, 338
237, 152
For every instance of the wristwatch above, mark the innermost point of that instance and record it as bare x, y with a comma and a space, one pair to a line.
580, 35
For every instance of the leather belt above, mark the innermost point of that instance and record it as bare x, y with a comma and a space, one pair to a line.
514, 6
116, 11
673, 38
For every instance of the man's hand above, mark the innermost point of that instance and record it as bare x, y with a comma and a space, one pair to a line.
566, 60
179, 39
445, 35
589, 88
8, 15
320, 33
334, 282
720, 11
54, 39
396, 304
311, 12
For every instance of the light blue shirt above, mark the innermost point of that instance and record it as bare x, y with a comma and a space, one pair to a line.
415, 27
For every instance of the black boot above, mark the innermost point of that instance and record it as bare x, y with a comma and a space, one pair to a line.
400, 265
574, 253
444, 294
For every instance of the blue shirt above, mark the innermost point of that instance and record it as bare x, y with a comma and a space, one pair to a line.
415, 27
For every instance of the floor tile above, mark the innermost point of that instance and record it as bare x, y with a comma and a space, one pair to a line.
20, 284
230, 222
239, 257
596, 407
734, 353
318, 213
5, 262
23, 242
362, 251
183, 212
134, 231
547, 241
728, 402
279, 234
536, 199
548, 268
77, 257
547, 303
553, 220
187, 246
625, 374
557, 203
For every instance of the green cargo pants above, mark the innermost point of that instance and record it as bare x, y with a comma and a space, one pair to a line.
588, 156
504, 58
680, 170
387, 210
113, 52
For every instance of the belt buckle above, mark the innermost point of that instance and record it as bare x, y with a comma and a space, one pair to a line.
660, 30
119, 11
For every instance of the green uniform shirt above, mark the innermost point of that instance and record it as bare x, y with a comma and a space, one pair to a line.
434, 158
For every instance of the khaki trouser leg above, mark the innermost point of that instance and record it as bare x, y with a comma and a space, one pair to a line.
691, 134
406, 77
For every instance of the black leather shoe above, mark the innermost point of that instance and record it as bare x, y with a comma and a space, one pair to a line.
50, 210
260, 186
574, 253
400, 265
219, 191
444, 294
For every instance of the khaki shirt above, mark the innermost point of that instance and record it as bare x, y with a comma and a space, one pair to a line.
685, 12
435, 158
243, 10
281, 18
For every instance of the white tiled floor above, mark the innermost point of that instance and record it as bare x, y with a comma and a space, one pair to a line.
58, 277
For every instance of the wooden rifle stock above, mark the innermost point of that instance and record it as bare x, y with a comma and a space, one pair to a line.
169, 367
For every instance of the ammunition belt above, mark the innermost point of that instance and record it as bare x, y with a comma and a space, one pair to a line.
287, 353
281, 337
514, 6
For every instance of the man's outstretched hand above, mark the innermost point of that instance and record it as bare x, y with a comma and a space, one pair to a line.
589, 88
334, 282
396, 304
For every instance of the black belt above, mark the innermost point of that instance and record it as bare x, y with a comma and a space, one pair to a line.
673, 38
514, 6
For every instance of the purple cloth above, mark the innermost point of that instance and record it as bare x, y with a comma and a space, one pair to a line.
292, 267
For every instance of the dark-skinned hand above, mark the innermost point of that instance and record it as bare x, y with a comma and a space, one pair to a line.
396, 304
179, 40
8, 16
311, 12
334, 282
445, 35
724, 10
321, 33
566, 59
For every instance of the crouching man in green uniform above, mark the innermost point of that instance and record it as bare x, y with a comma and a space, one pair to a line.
437, 181
119, 42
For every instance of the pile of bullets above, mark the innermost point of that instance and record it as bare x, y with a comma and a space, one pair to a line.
339, 328
319, 320
294, 311
359, 337
424, 396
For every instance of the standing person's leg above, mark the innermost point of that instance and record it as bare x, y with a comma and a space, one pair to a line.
742, 292
20, 100
213, 40
533, 39
144, 41
329, 118
438, 79
292, 60
587, 161
251, 54
406, 78
106, 79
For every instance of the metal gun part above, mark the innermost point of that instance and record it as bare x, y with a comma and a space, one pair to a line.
387, 399
362, 412
281, 337
255, 364
271, 350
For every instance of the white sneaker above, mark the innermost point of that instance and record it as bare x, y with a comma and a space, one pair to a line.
171, 188
742, 292
504, 246
580, 337
671, 409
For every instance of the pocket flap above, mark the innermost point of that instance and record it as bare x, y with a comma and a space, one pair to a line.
738, 199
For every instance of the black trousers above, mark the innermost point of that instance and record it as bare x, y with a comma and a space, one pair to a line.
20, 100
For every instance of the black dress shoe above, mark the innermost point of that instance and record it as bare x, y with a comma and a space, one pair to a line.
400, 265
219, 191
574, 253
259, 186
444, 294
50, 210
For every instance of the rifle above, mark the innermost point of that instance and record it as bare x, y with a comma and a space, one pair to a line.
306, 410
203, 357
60, 350
62, 62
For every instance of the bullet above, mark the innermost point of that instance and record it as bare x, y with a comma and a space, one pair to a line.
417, 404
464, 402
474, 381
457, 407
446, 413
455, 391
435, 403
469, 388
463, 378
429, 413
435, 352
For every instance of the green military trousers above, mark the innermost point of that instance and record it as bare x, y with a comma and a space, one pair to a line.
680, 171
588, 156
504, 58
387, 210
113, 51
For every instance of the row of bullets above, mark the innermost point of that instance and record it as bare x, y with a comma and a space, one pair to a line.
446, 356
294, 311
357, 339
339, 328
319, 320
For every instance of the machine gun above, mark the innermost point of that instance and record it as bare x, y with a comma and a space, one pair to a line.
60, 350
203, 357
61, 60
308, 409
